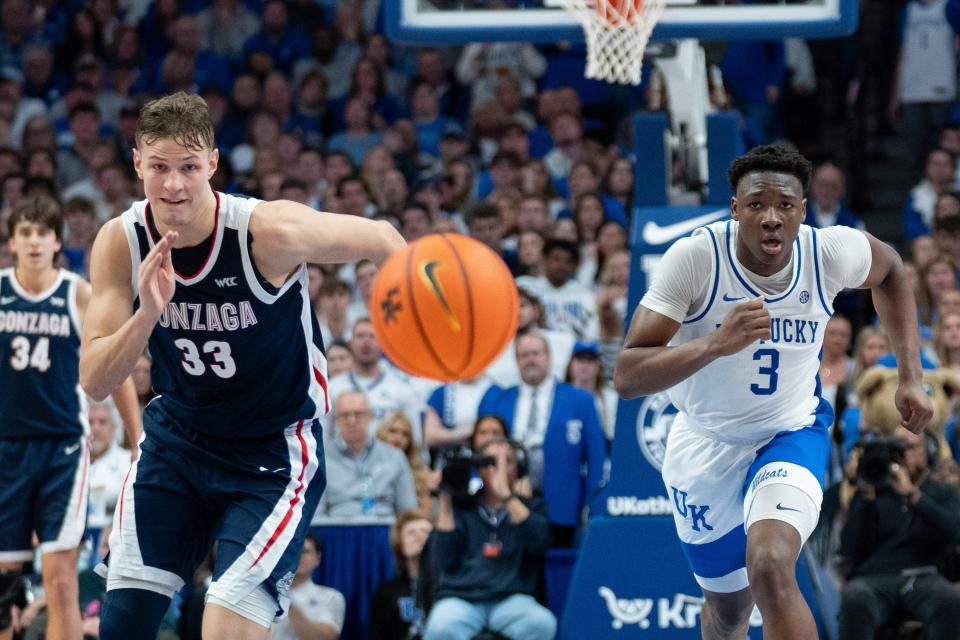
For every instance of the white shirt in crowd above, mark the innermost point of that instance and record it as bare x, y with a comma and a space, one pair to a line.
571, 307
106, 480
318, 604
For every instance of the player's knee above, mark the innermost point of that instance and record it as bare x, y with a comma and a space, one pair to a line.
727, 613
10, 590
60, 589
772, 570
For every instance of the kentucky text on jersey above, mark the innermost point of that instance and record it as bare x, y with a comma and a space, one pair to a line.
794, 330
35, 323
208, 317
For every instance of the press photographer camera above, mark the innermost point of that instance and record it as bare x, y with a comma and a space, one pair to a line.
899, 525
457, 469
877, 455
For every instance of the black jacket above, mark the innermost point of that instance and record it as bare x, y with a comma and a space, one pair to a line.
889, 535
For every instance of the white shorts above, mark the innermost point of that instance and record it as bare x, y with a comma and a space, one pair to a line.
712, 485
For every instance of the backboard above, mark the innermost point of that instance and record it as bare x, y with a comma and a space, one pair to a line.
427, 22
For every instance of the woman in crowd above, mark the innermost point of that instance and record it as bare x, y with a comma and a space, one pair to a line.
394, 614
395, 429
585, 371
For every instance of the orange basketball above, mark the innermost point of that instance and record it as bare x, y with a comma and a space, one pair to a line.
444, 307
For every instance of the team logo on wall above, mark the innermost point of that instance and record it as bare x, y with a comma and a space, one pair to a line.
654, 420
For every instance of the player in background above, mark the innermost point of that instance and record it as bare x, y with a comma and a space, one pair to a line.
43, 424
232, 453
732, 329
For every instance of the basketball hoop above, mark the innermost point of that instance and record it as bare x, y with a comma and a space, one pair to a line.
617, 32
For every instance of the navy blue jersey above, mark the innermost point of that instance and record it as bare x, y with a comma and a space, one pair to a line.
40, 391
233, 356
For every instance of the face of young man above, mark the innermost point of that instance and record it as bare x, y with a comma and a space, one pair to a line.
176, 180
770, 208
34, 244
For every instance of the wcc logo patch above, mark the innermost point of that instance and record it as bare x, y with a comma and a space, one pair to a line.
654, 420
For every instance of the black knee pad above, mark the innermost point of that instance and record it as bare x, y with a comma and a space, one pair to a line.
11, 593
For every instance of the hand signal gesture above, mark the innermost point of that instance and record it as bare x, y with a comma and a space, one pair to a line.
155, 279
747, 323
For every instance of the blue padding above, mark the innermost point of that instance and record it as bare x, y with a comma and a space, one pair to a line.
720, 557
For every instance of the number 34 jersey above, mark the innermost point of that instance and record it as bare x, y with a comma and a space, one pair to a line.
771, 385
233, 356
40, 391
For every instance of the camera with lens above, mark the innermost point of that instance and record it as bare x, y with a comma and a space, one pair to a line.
457, 469
876, 456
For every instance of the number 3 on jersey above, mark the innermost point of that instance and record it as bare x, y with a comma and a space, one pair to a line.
223, 365
769, 362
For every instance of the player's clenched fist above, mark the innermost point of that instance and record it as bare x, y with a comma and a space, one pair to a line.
747, 323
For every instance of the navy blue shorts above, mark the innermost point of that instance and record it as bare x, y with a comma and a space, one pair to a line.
44, 488
253, 499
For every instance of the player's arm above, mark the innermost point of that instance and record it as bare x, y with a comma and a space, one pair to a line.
125, 397
895, 304
287, 234
646, 365
114, 335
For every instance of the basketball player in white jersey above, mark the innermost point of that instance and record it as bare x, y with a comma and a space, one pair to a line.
732, 328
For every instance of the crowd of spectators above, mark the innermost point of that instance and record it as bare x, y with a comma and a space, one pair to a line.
505, 142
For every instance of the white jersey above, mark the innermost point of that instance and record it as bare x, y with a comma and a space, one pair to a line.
929, 69
571, 307
772, 385
385, 392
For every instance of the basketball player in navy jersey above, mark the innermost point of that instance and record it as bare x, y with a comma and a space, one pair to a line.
216, 286
44, 459
732, 328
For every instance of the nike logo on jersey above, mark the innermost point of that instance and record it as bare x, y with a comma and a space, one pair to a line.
728, 298
780, 507
69, 450
226, 282
277, 470
429, 276
7, 299
654, 234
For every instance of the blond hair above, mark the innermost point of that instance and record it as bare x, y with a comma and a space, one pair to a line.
180, 117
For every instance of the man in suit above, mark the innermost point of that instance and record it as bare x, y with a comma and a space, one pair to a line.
559, 426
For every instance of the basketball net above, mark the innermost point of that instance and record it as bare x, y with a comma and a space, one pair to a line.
617, 32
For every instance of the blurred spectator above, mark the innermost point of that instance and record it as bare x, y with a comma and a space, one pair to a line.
280, 43
108, 464
227, 25
835, 366
530, 253
366, 478
415, 222
754, 73
353, 198
315, 612
560, 427
38, 76
339, 358
894, 533
505, 525
81, 229
332, 55
393, 194
393, 610
619, 183
425, 112
73, 161
946, 226
383, 389
142, 382
357, 139
936, 279
585, 372
333, 299
486, 226
925, 85
946, 341
395, 429
612, 304
364, 271
566, 130
938, 178
482, 64
24, 107
377, 49
825, 206
451, 412
569, 305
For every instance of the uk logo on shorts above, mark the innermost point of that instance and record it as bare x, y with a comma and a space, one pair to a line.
654, 420
696, 513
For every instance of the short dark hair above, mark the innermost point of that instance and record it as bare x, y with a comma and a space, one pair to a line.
772, 157
558, 244
483, 210
293, 183
83, 107
353, 177
40, 209
335, 285
317, 545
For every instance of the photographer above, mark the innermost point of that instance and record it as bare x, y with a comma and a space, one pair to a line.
489, 551
898, 525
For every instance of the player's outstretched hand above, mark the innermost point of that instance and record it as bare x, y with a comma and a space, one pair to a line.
914, 406
156, 278
747, 323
